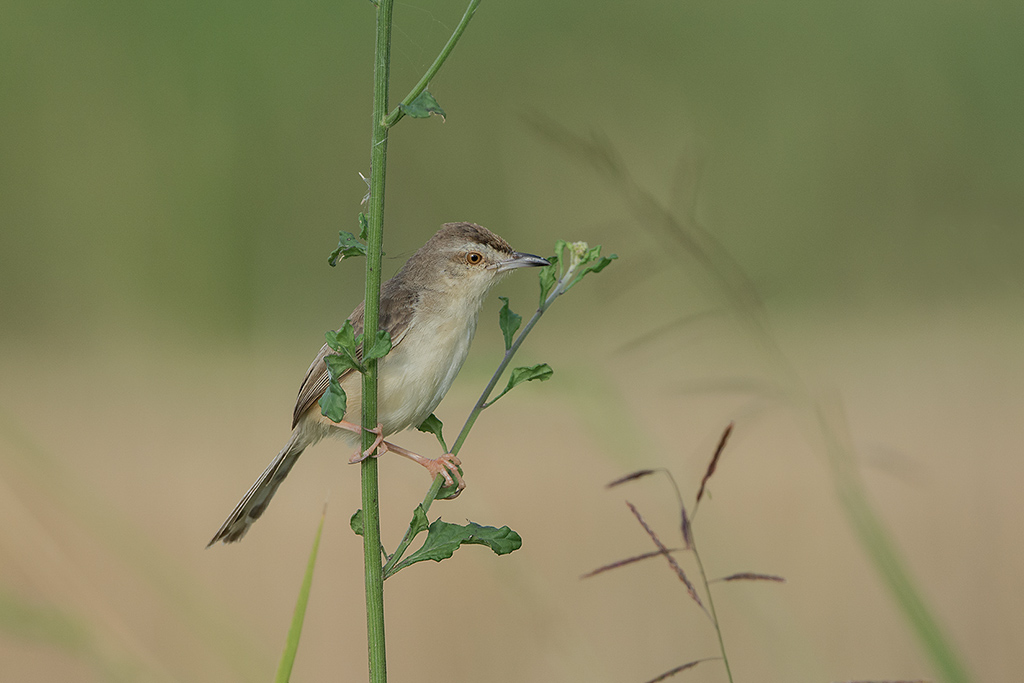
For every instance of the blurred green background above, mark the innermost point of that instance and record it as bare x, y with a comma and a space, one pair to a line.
173, 176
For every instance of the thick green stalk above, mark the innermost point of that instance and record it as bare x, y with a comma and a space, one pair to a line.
375, 236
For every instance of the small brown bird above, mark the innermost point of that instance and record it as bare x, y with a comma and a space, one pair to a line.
430, 308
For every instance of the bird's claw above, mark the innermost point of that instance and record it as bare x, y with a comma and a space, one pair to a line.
448, 467
377, 448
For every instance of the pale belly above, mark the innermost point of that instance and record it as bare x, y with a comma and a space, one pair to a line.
412, 379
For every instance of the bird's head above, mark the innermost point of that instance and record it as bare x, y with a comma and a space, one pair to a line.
465, 260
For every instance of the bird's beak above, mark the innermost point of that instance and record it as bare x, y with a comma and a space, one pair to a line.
521, 261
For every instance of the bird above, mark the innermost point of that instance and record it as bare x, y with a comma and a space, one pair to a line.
430, 308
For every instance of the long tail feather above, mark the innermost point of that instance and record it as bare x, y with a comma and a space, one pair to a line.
255, 501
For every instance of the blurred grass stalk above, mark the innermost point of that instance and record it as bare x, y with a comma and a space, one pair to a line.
291, 647
878, 543
727, 280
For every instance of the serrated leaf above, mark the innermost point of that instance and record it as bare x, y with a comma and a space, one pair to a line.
423, 106
334, 402
601, 263
338, 365
443, 539
356, 522
346, 345
343, 340
432, 425
419, 521
541, 372
364, 227
348, 246
380, 347
509, 322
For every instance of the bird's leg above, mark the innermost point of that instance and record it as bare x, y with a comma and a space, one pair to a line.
447, 465
360, 456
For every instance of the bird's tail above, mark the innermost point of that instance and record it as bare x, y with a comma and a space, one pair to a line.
255, 501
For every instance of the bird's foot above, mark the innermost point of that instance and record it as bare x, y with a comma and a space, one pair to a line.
378, 448
447, 465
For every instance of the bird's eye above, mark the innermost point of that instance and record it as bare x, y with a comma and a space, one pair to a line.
474, 258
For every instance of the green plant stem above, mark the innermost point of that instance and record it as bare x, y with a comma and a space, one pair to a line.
374, 577
418, 89
392, 562
711, 606
481, 403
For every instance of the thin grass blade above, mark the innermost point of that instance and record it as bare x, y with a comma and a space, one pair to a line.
291, 646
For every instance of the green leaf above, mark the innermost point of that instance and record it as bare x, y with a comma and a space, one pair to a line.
541, 372
364, 227
433, 426
423, 106
599, 266
291, 646
509, 322
346, 344
338, 365
348, 246
593, 267
380, 347
356, 522
549, 274
583, 260
334, 402
419, 521
443, 539
344, 340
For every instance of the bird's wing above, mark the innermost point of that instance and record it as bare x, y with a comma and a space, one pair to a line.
396, 308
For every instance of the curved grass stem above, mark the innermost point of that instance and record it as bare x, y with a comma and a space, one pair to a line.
711, 607
397, 115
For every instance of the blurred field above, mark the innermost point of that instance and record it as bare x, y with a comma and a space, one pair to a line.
172, 180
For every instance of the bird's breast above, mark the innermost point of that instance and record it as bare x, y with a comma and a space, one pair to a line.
418, 372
